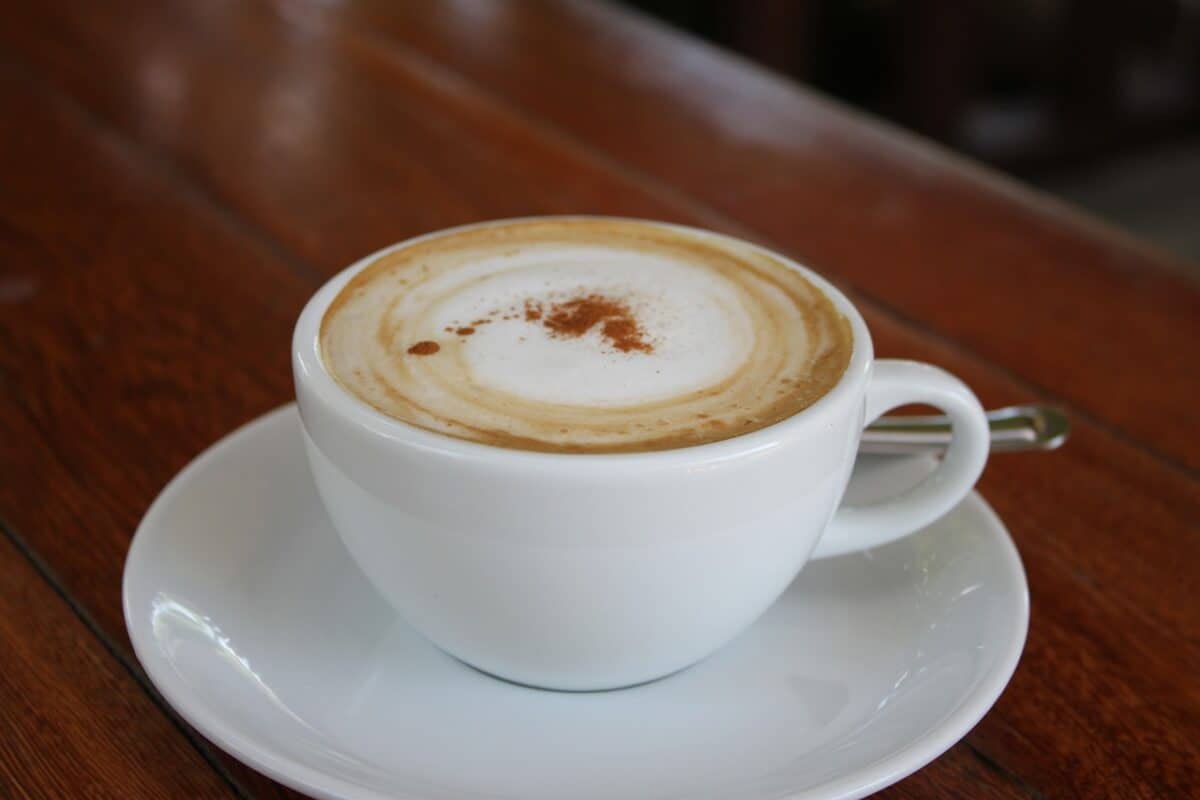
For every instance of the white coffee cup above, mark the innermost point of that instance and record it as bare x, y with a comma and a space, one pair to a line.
596, 571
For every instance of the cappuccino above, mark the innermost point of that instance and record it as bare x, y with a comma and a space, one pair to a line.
584, 335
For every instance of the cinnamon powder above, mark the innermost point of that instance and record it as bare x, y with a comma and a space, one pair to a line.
570, 318
577, 316
425, 348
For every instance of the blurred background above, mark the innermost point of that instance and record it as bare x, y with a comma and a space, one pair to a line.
1096, 101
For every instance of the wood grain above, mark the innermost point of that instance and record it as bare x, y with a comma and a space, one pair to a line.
73, 722
925, 235
111, 282
179, 177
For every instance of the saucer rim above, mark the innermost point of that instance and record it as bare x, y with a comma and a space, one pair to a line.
179, 697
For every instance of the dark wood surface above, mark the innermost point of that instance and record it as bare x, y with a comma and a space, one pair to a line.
176, 178
73, 721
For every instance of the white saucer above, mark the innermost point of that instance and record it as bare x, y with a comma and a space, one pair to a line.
254, 624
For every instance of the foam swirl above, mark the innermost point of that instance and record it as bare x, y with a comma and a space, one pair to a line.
584, 335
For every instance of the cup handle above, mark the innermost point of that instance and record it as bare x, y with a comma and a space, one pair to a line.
896, 383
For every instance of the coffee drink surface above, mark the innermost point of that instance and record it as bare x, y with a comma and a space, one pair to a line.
584, 335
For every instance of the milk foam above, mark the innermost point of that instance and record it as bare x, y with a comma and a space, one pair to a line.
730, 339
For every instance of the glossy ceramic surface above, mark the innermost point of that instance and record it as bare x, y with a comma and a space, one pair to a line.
600, 571
254, 623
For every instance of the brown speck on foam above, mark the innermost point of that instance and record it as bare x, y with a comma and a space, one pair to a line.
578, 315
466, 330
424, 348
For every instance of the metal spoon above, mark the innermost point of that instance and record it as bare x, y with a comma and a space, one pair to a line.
1015, 428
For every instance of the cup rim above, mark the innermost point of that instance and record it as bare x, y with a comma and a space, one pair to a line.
309, 368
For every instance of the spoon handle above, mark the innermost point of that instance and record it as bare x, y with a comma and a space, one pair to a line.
1015, 428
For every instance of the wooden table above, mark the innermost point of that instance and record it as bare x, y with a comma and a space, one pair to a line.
177, 177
